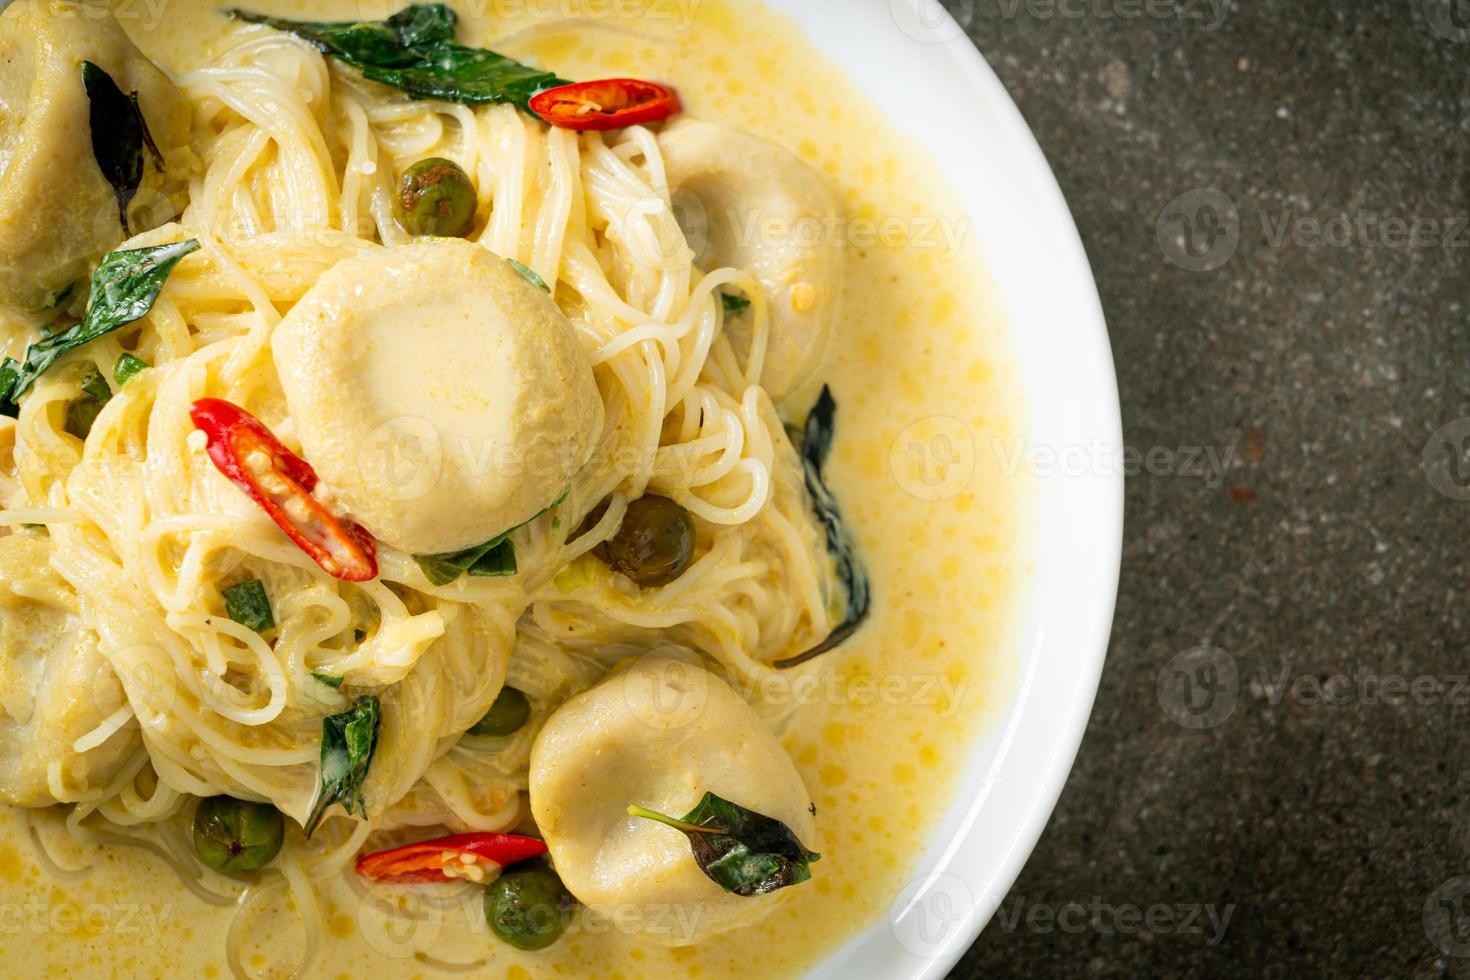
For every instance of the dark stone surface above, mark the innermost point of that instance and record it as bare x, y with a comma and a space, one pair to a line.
1324, 555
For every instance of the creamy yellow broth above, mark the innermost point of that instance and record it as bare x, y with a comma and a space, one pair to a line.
926, 390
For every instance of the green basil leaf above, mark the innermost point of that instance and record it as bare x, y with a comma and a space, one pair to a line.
734, 305
414, 52
530, 274
96, 386
348, 742
60, 296
331, 680
423, 23
127, 368
472, 76
9, 376
249, 606
742, 851
816, 443
124, 288
496, 557
119, 135
82, 413
498, 561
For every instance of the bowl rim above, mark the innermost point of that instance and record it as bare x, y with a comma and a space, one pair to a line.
938, 88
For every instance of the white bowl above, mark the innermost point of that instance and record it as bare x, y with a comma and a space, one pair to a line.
912, 60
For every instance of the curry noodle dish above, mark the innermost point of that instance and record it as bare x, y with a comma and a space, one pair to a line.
513, 492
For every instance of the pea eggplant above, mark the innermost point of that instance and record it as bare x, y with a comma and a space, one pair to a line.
506, 716
655, 543
528, 907
435, 197
233, 835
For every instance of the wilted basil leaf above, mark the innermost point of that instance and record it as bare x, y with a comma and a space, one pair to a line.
495, 558
530, 274
95, 386
127, 368
816, 442
83, 412
60, 296
119, 134
742, 851
734, 305
348, 741
9, 375
249, 606
124, 288
414, 51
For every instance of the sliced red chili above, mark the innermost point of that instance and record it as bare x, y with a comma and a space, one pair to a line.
281, 482
611, 103
475, 857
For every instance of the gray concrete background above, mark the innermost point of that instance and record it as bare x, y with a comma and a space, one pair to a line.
1318, 344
